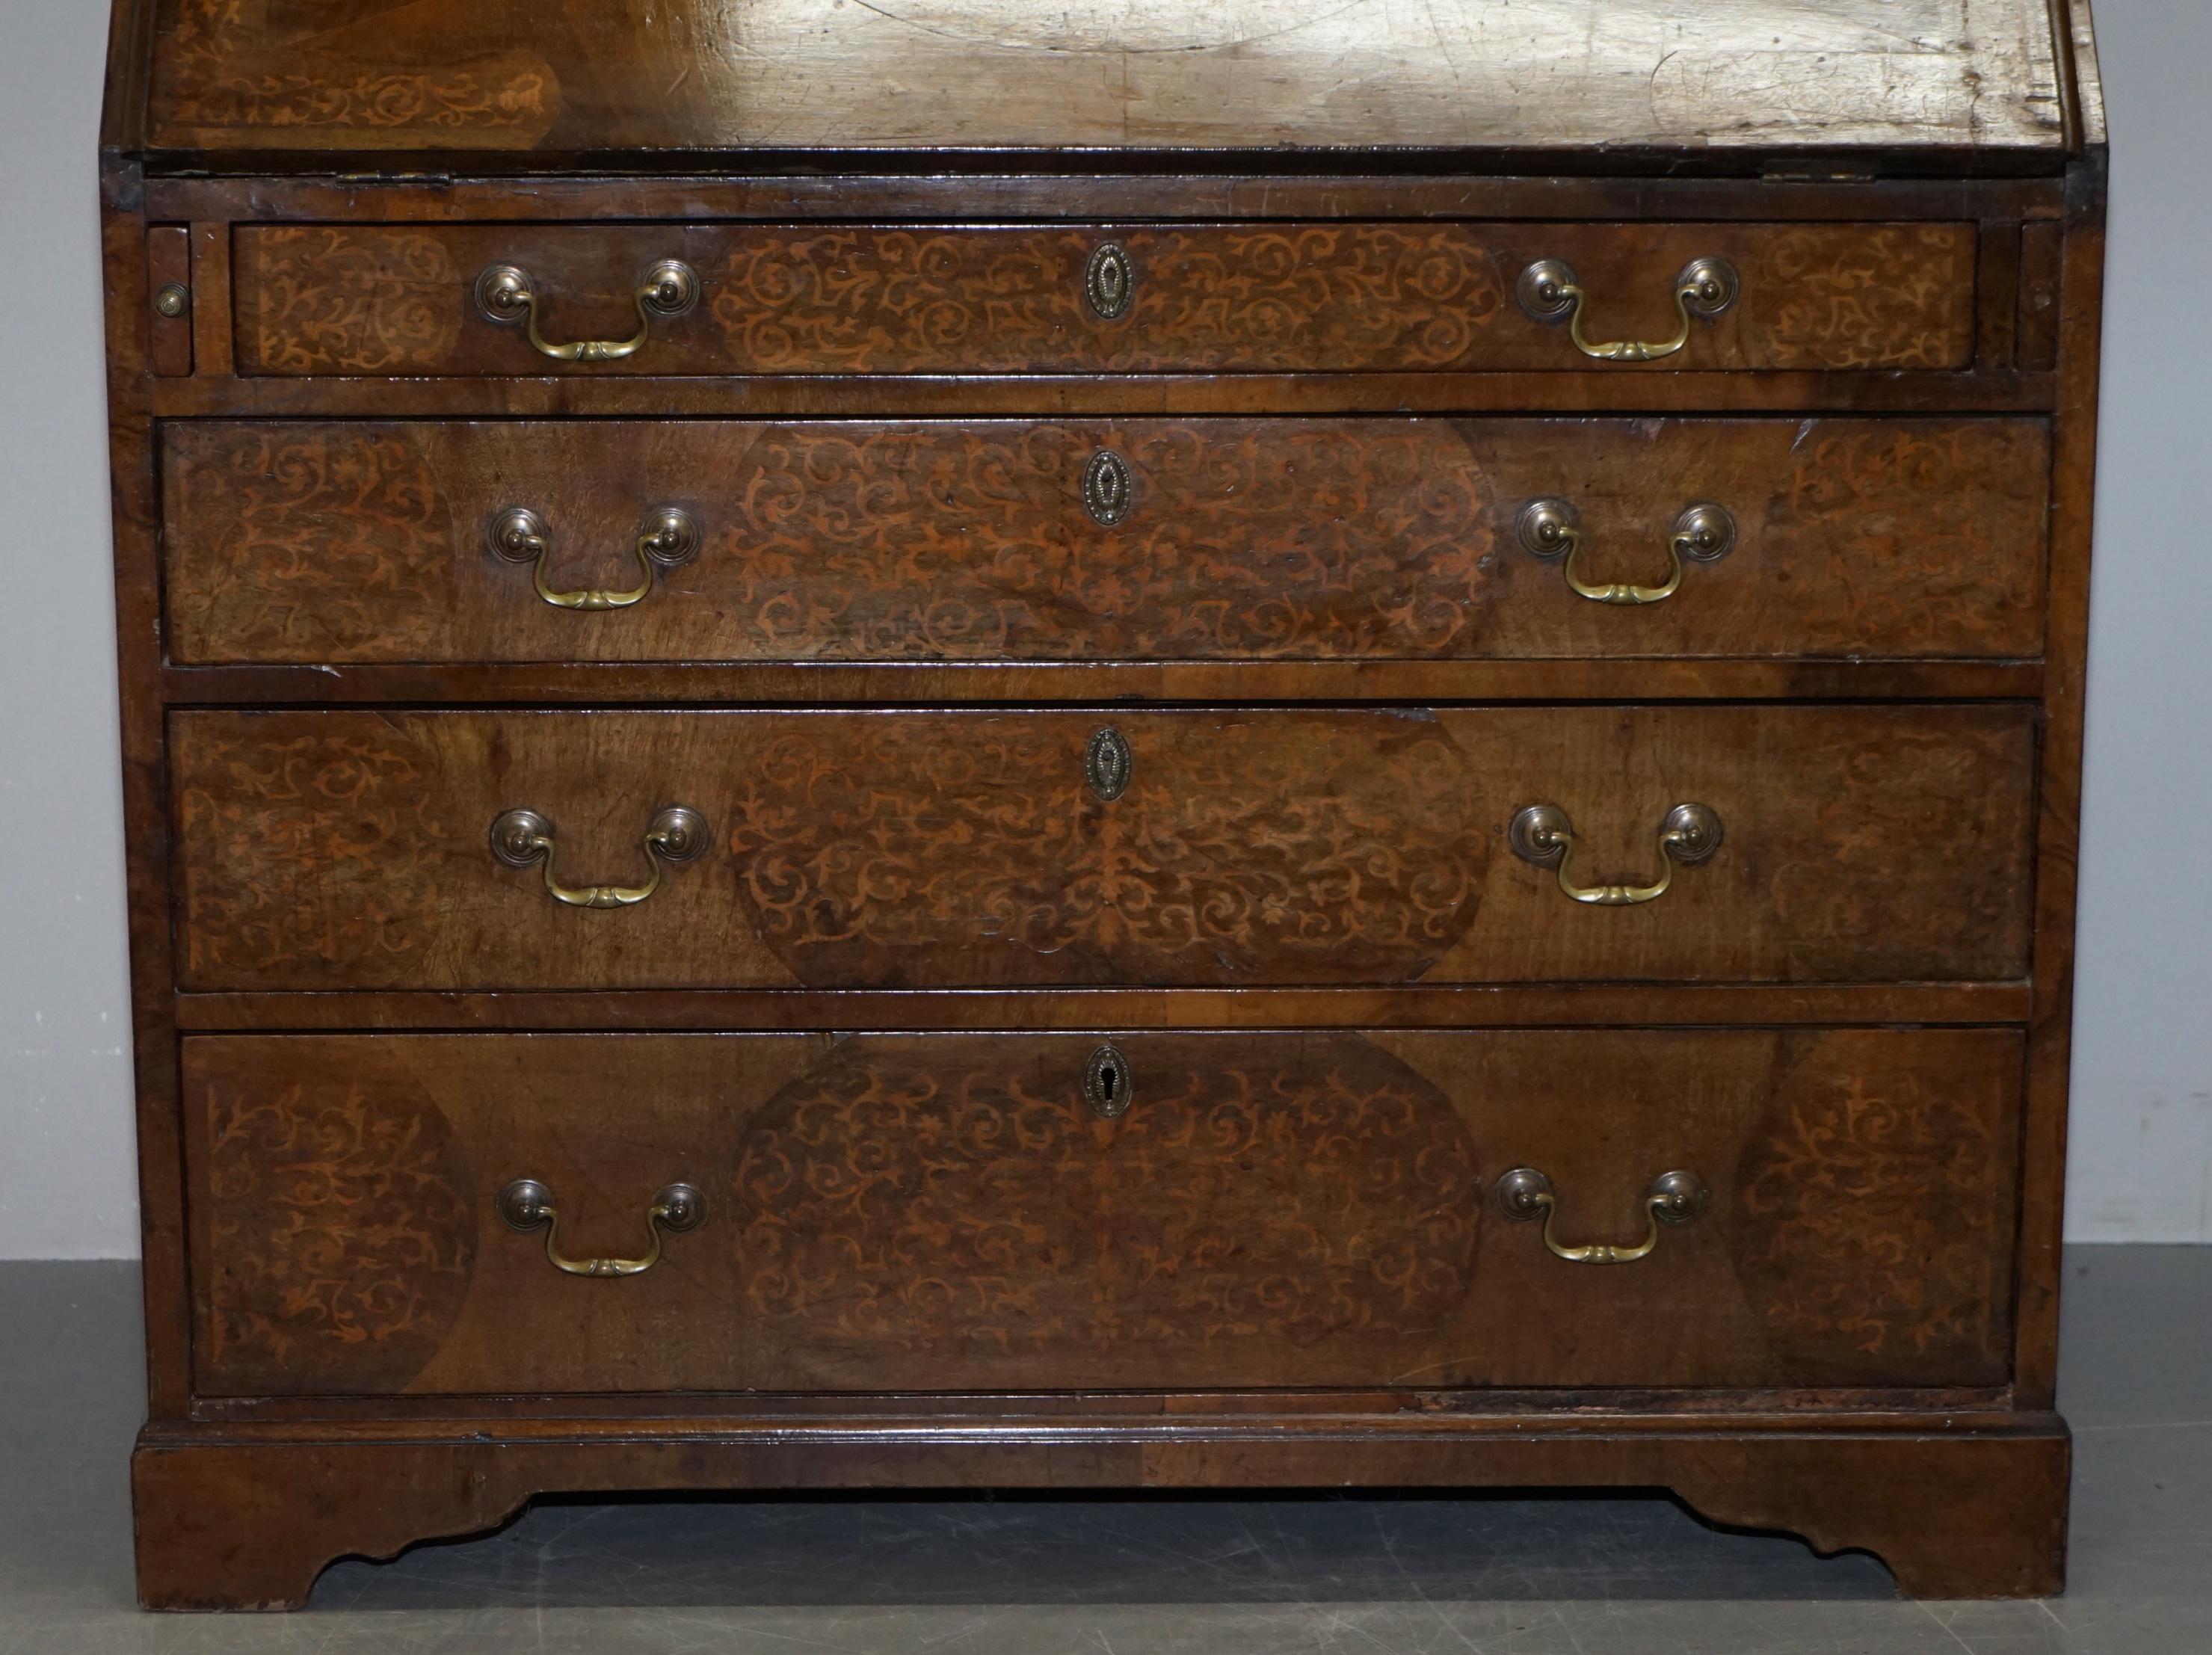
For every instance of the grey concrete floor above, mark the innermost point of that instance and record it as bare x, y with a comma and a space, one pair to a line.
1140, 1576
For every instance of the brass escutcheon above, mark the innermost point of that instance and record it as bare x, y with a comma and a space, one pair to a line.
1108, 487
1107, 1085
1109, 282
1107, 764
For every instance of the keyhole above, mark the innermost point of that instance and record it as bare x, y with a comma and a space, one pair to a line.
1106, 1085
1106, 488
1108, 280
1106, 763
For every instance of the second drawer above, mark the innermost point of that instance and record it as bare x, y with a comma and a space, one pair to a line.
1211, 539
631, 849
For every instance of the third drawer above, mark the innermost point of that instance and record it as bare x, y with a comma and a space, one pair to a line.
1239, 848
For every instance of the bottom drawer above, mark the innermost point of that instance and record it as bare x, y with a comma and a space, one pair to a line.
914, 1213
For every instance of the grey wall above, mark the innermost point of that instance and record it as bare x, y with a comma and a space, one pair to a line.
2142, 1156
2142, 1134
68, 1184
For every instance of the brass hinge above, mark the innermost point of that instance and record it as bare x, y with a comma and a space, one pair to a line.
1777, 173
435, 181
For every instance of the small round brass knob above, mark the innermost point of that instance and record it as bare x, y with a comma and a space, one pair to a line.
1678, 1197
1546, 290
670, 537
172, 300
1690, 834
680, 1207
1541, 834
503, 292
517, 534
1546, 528
669, 288
524, 1204
1523, 1194
1708, 286
680, 833
520, 838
1705, 532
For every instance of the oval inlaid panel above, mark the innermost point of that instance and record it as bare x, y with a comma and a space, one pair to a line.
337, 1226
949, 1212
1286, 847
1879, 1214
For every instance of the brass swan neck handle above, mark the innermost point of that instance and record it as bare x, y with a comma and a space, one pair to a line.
667, 539
507, 294
1542, 835
1525, 1195
1548, 528
528, 1205
1549, 292
523, 838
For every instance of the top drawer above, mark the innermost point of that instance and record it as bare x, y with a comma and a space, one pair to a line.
699, 299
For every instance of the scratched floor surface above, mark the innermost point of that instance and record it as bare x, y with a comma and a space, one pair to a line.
1141, 1576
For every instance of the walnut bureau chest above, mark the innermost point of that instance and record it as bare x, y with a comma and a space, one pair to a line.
971, 744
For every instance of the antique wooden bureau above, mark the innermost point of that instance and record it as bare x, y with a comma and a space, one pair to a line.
964, 744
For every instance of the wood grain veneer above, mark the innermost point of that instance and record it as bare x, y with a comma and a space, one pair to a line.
969, 540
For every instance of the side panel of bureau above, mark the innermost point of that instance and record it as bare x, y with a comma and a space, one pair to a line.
1130, 539
955, 1212
361, 849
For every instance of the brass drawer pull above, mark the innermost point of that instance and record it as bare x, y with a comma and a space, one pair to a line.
1525, 1195
1542, 834
1549, 292
1705, 532
667, 539
506, 294
523, 838
527, 1205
